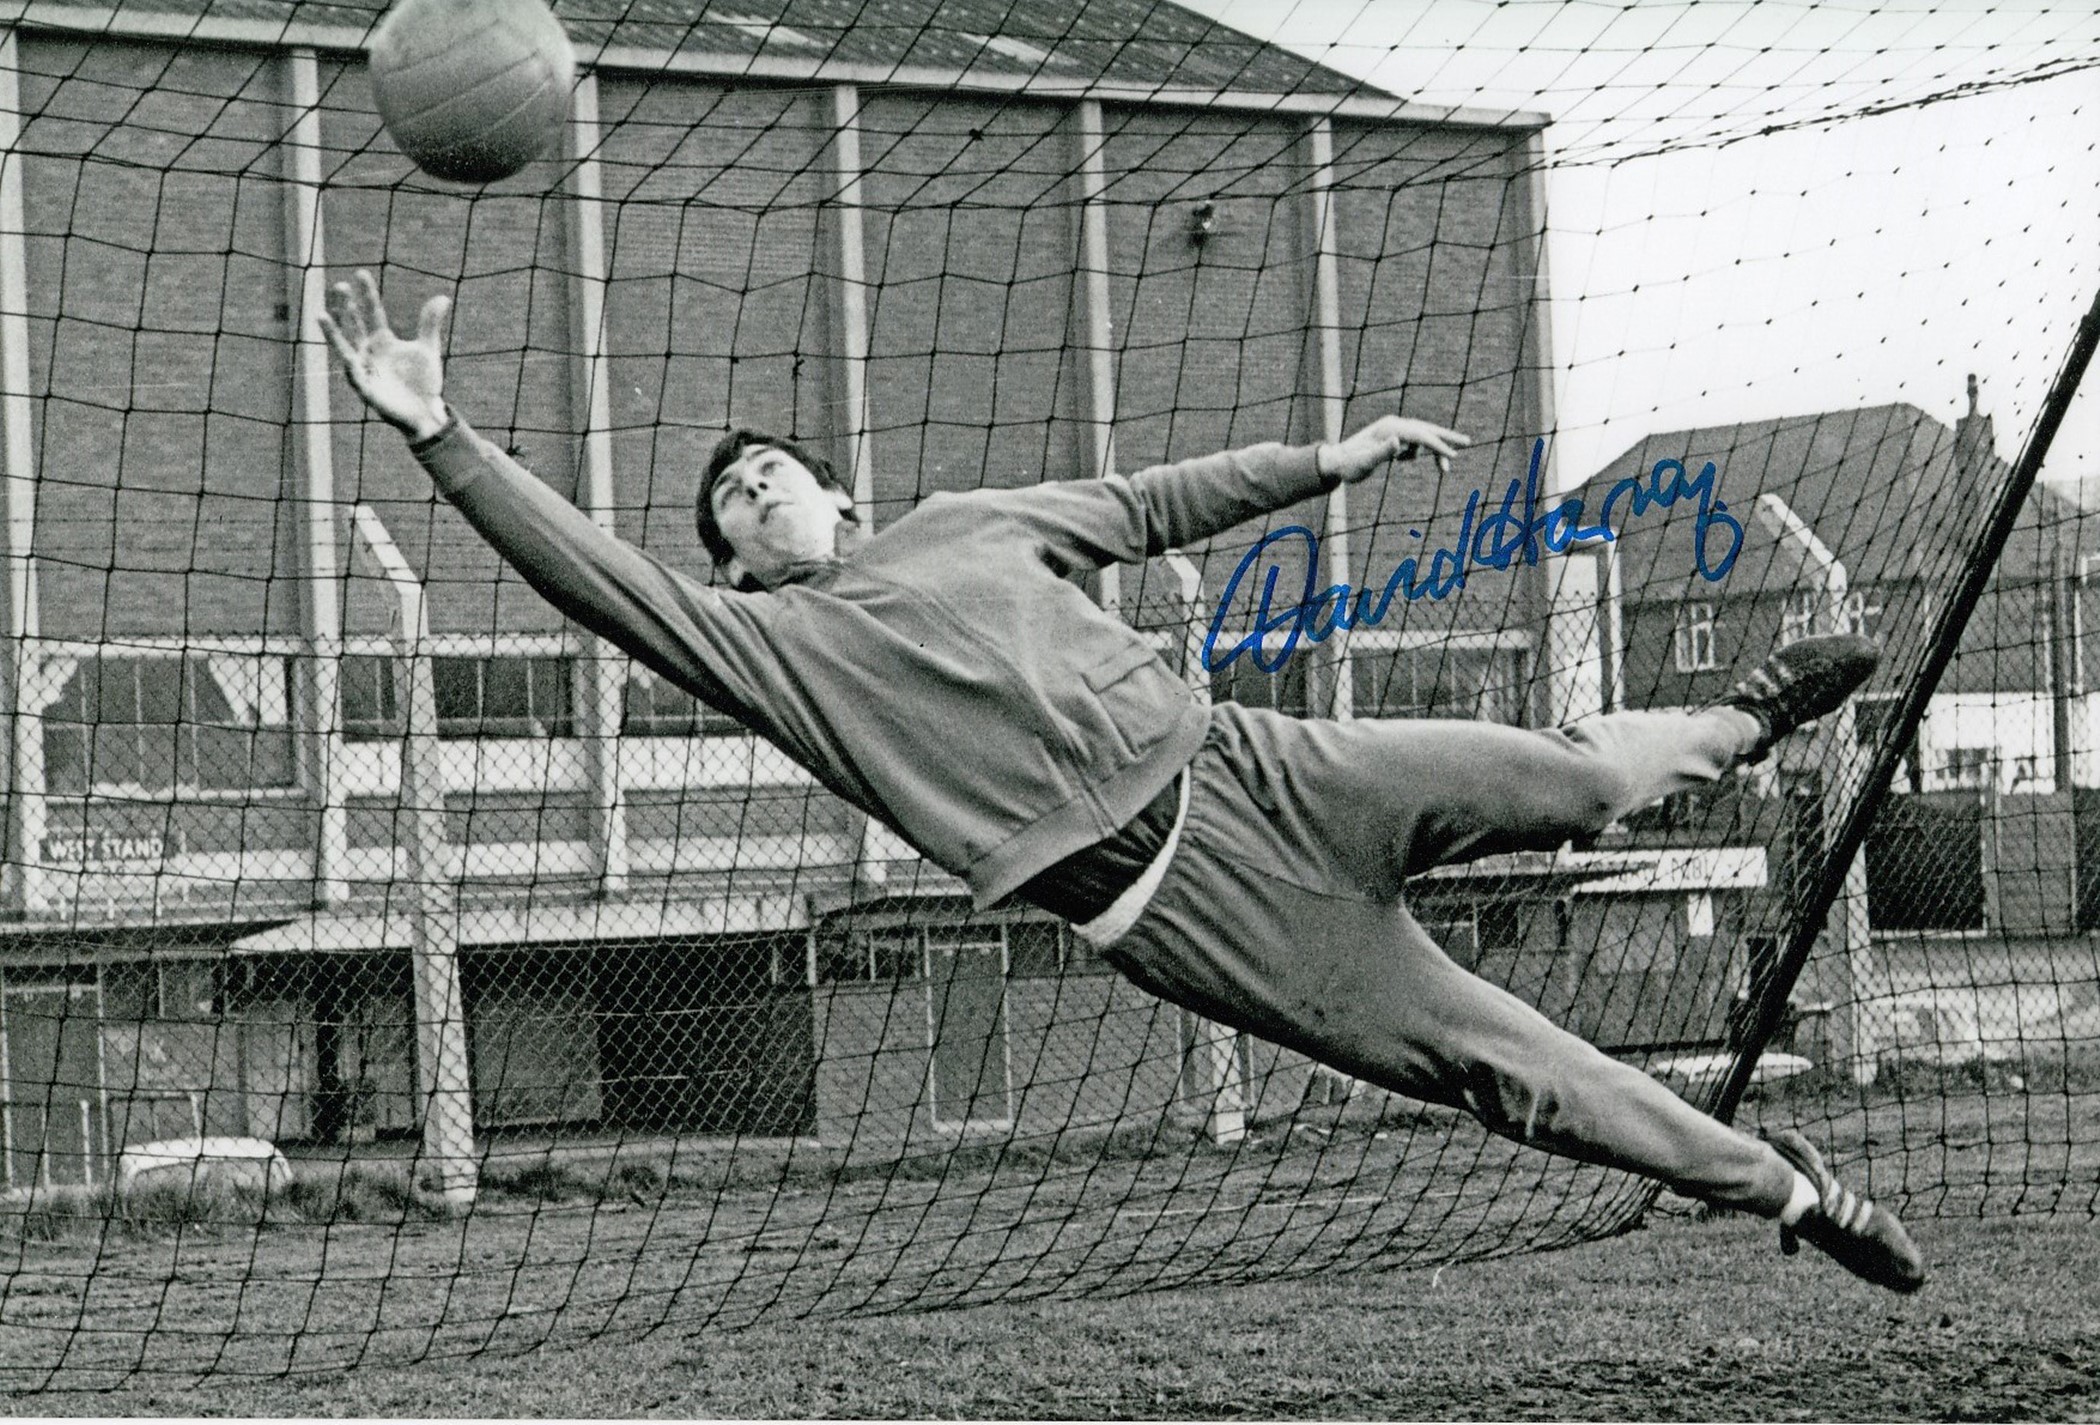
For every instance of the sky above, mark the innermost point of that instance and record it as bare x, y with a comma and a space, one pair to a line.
1704, 272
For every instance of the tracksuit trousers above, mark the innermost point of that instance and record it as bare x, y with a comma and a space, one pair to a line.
1281, 914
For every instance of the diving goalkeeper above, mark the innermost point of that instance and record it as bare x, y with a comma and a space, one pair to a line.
947, 677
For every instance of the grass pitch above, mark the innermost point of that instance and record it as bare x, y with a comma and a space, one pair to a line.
1685, 1320
1284, 1266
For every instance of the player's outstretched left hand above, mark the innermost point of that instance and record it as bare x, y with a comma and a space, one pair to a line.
404, 381
1390, 438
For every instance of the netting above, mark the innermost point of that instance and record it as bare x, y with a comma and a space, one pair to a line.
391, 970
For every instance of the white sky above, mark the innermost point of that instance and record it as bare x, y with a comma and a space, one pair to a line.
1834, 264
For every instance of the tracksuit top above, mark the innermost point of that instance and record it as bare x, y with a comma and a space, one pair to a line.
946, 676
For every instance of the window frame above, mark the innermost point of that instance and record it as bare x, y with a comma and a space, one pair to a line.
1801, 613
1967, 768
1508, 672
1696, 618
706, 720
1860, 608
450, 651
87, 661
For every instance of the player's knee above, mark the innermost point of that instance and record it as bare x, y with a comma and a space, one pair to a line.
1584, 802
1511, 1100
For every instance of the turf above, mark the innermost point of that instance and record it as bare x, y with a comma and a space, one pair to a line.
1684, 1320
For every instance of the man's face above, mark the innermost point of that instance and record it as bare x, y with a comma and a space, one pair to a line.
775, 514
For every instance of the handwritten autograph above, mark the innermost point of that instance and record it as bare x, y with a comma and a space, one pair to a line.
1517, 530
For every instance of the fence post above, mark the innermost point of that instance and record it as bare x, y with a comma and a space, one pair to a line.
1847, 770
441, 1022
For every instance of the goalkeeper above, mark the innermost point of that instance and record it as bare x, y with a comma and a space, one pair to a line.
946, 677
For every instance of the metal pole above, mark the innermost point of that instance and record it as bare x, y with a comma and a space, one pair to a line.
1097, 328
1216, 1052
604, 670
22, 759
306, 280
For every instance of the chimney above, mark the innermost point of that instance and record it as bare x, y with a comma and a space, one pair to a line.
1974, 445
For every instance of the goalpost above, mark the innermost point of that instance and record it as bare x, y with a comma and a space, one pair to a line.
578, 1012
441, 1016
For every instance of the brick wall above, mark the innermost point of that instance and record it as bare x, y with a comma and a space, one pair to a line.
1434, 232
972, 240
158, 340
716, 309
501, 256
166, 452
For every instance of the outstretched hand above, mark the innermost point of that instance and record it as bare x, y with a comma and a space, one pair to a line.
1389, 438
404, 381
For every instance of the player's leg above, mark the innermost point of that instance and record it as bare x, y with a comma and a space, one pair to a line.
1480, 1048
1528, 1079
1235, 934
1481, 789
1478, 789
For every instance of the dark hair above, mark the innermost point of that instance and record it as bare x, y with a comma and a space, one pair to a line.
728, 450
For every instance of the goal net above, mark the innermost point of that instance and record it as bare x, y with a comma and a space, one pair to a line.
390, 969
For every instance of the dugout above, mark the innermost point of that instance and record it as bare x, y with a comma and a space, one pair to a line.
937, 1027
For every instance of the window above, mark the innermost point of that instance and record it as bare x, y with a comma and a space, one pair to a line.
1693, 640
371, 702
655, 707
1861, 613
1445, 680
1804, 609
1500, 925
476, 697
503, 697
166, 722
1967, 767
854, 956
1243, 681
1041, 948
1033, 949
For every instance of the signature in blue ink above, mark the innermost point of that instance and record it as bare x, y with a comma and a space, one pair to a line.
1514, 532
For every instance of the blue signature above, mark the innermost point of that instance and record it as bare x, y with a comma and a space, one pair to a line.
1516, 531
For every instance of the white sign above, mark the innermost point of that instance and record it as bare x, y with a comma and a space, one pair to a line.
100, 850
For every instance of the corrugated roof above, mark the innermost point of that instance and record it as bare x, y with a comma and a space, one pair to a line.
1135, 44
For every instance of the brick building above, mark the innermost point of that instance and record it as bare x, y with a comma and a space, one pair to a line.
1083, 238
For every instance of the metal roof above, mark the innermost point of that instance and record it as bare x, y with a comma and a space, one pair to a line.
1139, 47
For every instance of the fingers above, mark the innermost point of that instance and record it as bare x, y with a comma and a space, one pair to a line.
430, 324
344, 317
372, 309
1414, 436
1441, 439
344, 350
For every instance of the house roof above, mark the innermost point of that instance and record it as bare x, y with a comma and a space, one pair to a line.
1139, 46
1892, 492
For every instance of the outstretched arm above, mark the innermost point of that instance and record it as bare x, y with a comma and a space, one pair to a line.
1124, 519
668, 621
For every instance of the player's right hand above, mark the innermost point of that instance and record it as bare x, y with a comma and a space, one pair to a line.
403, 381
1389, 438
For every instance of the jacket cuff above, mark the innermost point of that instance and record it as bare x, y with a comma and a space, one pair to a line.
1299, 468
452, 456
